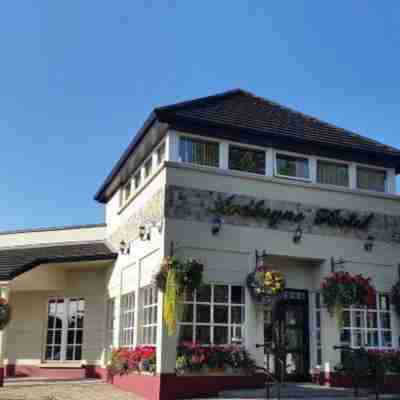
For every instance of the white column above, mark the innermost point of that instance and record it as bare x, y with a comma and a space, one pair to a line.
269, 162
5, 294
223, 155
313, 169
391, 181
254, 330
353, 175
172, 146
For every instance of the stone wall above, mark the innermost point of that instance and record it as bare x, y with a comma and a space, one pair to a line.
196, 205
152, 212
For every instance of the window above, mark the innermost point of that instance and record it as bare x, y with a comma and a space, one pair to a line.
317, 327
147, 167
370, 328
242, 159
292, 166
161, 154
127, 191
148, 326
137, 180
127, 319
214, 314
332, 173
199, 152
371, 179
110, 322
65, 329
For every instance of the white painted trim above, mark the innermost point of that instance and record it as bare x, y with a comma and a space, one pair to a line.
297, 155
224, 155
273, 179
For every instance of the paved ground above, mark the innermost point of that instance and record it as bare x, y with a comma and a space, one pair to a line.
63, 391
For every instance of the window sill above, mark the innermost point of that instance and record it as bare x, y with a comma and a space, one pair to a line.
61, 364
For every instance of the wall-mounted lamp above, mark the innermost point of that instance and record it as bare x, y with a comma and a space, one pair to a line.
298, 235
124, 248
396, 237
216, 226
369, 243
144, 233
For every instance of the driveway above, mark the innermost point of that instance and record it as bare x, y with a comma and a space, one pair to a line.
64, 391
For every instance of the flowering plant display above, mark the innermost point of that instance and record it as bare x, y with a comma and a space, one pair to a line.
265, 283
125, 360
341, 289
395, 296
174, 278
193, 357
4, 313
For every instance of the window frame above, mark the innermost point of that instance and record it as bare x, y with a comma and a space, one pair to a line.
373, 168
211, 324
144, 309
127, 332
148, 171
163, 146
337, 162
246, 148
294, 155
365, 329
201, 139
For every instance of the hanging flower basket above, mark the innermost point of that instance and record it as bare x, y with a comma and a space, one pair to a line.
265, 284
395, 296
174, 278
4, 313
341, 289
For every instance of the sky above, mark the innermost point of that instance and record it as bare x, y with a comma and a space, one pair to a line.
78, 78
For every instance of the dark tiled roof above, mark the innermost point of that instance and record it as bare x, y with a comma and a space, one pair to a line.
14, 262
53, 228
244, 110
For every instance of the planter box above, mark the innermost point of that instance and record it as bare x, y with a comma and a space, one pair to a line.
391, 382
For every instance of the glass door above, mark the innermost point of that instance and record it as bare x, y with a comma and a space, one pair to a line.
64, 329
286, 329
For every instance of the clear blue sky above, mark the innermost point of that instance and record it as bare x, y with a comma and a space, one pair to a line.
78, 78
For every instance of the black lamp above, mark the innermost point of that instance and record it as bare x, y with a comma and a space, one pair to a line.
123, 247
369, 243
216, 226
144, 232
298, 234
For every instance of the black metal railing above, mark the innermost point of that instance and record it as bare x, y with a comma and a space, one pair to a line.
359, 365
271, 378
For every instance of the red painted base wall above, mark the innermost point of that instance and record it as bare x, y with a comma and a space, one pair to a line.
33, 371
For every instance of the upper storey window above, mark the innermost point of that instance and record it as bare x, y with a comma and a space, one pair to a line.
199, 152
371, 179
161, 154
332, 173
292, 166
147, 167
249, 160
127, 191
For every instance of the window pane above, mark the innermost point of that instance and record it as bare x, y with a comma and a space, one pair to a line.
147, 167
242, 159
237, 294
220, 335
371, 179
161, 154
372, 320
186, 333
199, 152
237, 316
372, 339
292, 166
345, 338
385, 320
221, 314
203, 313
136, 179
386, 338
221, 294
204, 294
332, 173
187, 315
203, 334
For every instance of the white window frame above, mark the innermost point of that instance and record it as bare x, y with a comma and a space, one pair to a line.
183, 135
251, 148
291, 154
332, 161
376, 168
111, 322
365, 329
64, 330
127, 331
229, 325
145, 311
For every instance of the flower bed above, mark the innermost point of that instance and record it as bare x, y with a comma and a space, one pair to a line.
196, 359
139, 359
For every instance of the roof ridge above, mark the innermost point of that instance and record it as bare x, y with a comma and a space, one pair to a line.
54, 244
